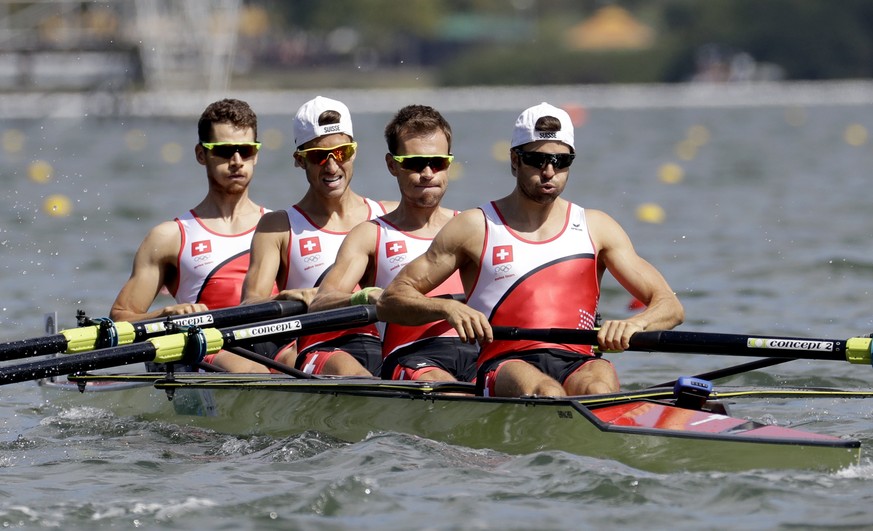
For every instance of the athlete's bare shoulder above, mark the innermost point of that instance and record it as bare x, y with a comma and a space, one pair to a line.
275, 221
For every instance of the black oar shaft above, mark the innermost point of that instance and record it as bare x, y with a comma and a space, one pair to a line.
27, 348
223, 317
86, 361
693, 342
324, 321
739, 345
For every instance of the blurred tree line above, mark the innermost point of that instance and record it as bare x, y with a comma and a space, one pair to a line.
499, 42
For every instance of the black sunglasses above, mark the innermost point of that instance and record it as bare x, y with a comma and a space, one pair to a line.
540, 160
418, 163
226, 150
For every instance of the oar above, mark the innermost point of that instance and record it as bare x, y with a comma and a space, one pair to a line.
105, 333
191, 346
733, 370
270, 363
854, 350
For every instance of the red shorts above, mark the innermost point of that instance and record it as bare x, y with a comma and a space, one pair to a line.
367, 350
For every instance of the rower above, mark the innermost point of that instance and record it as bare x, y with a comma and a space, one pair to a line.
294, 248
419, 155
202, 256
533, 259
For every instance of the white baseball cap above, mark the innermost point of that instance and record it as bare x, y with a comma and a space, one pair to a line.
525, 127
306, 125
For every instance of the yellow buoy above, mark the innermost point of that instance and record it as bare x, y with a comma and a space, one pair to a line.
671, 173
651, 213
685, 150
855, 135
40, 171
13, 141
456, 170
136, 140
57, 205
698, 135
500, 151
273, 139
171, 152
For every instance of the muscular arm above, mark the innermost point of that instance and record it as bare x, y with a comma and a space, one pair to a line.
616, 253
269, 243
153, 267
357, 251
404, 301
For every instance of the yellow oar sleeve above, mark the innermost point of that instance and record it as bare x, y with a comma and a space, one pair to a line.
858, 350
85, 338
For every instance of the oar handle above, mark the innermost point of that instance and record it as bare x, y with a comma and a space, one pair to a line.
552, 335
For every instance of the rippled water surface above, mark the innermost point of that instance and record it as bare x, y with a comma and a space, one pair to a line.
767, 229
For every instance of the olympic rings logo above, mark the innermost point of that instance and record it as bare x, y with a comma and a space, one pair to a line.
202, 257
312, 258
396, 259
504, 268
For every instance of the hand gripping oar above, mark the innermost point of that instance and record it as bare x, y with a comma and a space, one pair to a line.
105, 333
191, 346
854, 350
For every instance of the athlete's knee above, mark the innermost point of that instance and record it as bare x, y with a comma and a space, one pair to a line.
599, 387
549, 387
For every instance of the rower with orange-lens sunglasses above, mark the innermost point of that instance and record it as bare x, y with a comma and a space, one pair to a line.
318, 155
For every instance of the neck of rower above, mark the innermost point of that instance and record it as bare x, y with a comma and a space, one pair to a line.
339, 213
421, 221
536, 221
228, 213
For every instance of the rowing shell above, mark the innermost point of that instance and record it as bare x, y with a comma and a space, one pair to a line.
643, 429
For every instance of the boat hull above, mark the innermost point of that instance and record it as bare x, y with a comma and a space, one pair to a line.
653, 435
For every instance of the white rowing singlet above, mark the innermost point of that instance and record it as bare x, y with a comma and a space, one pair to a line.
530, 284
211, 266
311, 253
395, 249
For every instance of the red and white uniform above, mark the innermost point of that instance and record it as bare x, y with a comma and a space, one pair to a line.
395, 249
547, 284
312, 252
211, 266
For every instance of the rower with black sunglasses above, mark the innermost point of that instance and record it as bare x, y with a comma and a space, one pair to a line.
534, 260
419, 155
296, 247
201, 257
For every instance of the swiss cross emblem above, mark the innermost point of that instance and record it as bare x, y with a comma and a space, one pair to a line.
392, 248
309, 246
502, 254
201, 247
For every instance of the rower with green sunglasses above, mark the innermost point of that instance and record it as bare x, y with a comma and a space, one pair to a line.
419, 154
294, 248
534, 260
202, 256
